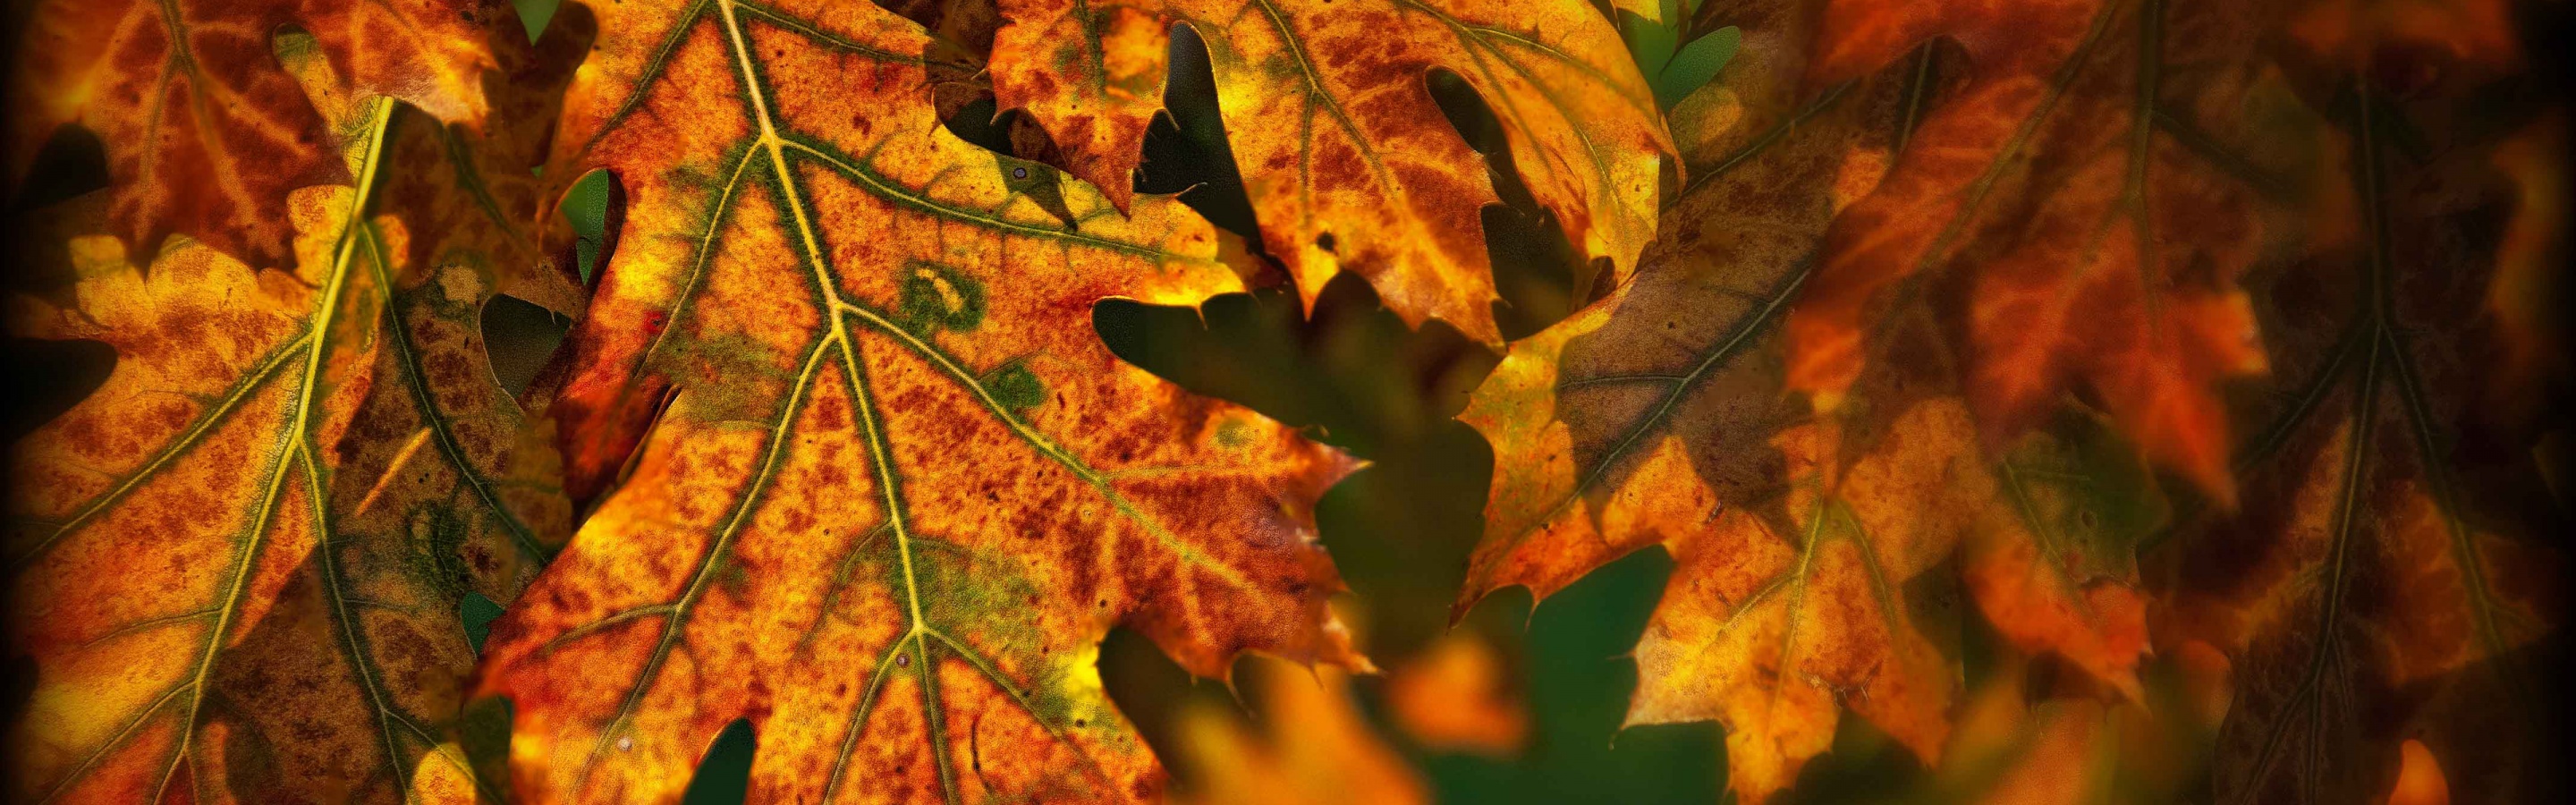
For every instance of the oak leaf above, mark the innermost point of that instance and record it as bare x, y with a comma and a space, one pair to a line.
2387, 577
859, 472
239, 563
1347, 157
2065, 192
204, 128
1657, 415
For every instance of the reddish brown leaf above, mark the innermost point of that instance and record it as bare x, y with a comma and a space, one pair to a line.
204, 129
1349, 161
2091, 244
862, 473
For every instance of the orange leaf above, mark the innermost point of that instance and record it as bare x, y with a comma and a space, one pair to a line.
1318, 749
2066, 194
1451, 698
2388, 571
2419, 778
861, 473
205, 132
252, 540
1349, 161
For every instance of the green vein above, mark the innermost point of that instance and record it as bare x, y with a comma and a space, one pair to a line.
298, 436
416, 379
178, 446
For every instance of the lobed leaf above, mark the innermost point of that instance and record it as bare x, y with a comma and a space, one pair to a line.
205, 131
1346, 155
2091, 245
858, 470
239, 563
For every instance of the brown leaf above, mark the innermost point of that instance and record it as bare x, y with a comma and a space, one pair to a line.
2383, 581
245, 554
2091, 242
1348, 159
861, 472
205, 130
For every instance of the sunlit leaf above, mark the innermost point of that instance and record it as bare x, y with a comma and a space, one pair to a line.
858, 470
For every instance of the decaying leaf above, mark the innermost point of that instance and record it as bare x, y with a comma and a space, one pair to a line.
2052, 563
861, 473
2063, 190
238, 564
1348, 160
1775, 624
2383, 581
205, 131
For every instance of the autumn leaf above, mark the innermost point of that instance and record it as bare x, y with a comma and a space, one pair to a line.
1576, 411
2053, 564
1452, 697
1658, 415
2385, 579
205, 130
1348, 160
2068, 191
1312, 747
857, 469
238, 564
2026, 740
2419, 778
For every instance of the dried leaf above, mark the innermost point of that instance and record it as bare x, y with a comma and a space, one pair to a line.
1348, 159
2061, 192
205, 130
2384, 578
862, 474
2053, 563
240, 561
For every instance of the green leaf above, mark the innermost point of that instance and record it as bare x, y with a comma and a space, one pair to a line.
1696, 64
1649, 43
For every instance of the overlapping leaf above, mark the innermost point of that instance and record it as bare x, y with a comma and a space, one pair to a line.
863, 475
2092, 243
205, 131
1659, 416
238, 564
2384, 580
1348, 160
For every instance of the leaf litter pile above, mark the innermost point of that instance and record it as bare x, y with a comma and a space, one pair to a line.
2136, 400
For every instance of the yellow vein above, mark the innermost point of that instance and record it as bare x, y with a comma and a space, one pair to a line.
881, 456
1044, 445
298, 434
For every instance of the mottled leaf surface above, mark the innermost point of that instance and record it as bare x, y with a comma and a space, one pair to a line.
1347, 158
2388, 573
205, 130
2059, 190
858, 469
238, 564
